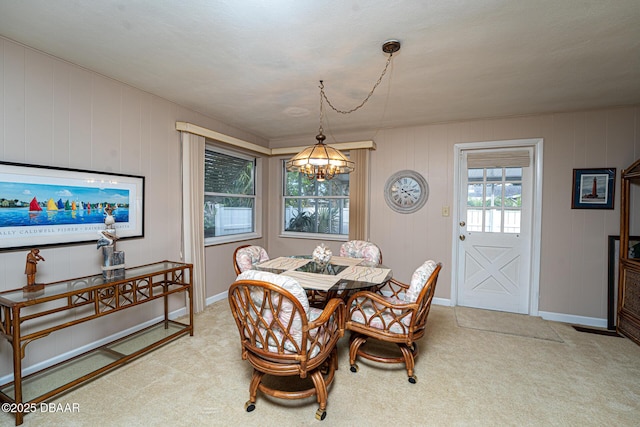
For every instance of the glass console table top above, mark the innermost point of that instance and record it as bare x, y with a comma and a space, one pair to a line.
51, 290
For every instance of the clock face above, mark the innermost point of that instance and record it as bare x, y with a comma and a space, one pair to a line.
406, 191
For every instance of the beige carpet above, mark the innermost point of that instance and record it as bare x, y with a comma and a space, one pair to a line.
506, 323
466, 377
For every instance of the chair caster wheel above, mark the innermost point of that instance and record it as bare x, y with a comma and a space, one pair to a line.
354, 368
321, 414
249, 406
413, 379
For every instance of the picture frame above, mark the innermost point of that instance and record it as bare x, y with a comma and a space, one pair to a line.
44, 206
613, 252
593, 188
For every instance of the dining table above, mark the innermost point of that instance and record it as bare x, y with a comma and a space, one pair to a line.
342, 275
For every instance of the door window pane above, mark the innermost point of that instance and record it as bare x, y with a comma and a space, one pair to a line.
492, 220
474, 194
512, 221
513, 195
494, 200
513, 174
475, 175
494, 174
493, 195
474, 219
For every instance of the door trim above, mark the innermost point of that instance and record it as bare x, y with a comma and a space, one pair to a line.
536, 220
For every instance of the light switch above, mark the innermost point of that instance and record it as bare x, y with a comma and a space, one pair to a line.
445, 211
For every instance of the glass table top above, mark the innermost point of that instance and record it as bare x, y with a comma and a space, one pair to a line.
51, 290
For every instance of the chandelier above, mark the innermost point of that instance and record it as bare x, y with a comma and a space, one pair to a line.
322, 161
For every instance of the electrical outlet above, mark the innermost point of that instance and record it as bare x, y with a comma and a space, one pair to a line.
445, 211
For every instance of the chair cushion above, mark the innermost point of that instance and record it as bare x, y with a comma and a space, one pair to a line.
383, 320
419, 279
361, 249
247, 257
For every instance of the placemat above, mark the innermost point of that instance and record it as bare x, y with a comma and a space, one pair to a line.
321, 282
343, 260
365, 274
284, 263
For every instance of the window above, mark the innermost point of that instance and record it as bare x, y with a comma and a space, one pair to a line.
229, 196
494, 200
315, 209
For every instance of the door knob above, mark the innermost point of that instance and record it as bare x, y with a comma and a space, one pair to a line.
462, 237
462, 223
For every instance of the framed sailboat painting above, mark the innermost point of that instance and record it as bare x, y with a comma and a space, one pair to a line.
47, 206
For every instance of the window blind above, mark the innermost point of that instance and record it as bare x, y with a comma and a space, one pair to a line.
495, 159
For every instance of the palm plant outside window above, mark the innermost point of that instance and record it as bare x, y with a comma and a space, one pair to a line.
229, 195
314, 207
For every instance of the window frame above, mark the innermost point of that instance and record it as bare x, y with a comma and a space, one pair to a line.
300, 234
257, 197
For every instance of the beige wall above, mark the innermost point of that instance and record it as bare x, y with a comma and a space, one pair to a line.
54, 113
573, 276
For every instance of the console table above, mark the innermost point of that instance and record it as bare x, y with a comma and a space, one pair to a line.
28, 316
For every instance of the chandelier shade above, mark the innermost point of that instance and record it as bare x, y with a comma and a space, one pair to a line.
320, 161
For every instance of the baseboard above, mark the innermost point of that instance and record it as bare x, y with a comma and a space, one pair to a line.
216, 298
573, 319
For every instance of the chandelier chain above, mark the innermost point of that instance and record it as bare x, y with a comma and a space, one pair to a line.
324, 95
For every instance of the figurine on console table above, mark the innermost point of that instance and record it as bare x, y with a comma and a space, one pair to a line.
30, 268
112, 260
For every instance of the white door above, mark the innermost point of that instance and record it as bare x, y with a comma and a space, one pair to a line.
494, 229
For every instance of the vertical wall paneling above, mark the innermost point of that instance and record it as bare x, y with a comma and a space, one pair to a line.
130, 131
14, 99
80, 118
38, 108
105, 132
61, 112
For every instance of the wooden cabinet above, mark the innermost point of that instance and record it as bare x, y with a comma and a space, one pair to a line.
629, 274
27, 316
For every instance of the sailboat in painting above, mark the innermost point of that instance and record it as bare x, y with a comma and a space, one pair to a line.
34, 206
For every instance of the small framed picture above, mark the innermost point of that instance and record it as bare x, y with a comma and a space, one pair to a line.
593, 188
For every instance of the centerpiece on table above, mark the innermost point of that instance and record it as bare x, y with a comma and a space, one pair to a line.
321, 256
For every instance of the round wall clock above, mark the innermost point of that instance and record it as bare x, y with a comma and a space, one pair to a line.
406, 191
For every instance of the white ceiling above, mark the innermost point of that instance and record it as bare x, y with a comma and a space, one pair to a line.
255, 64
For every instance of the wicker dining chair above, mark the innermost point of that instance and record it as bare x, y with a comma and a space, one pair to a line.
282, 336
399, 318
246, 256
